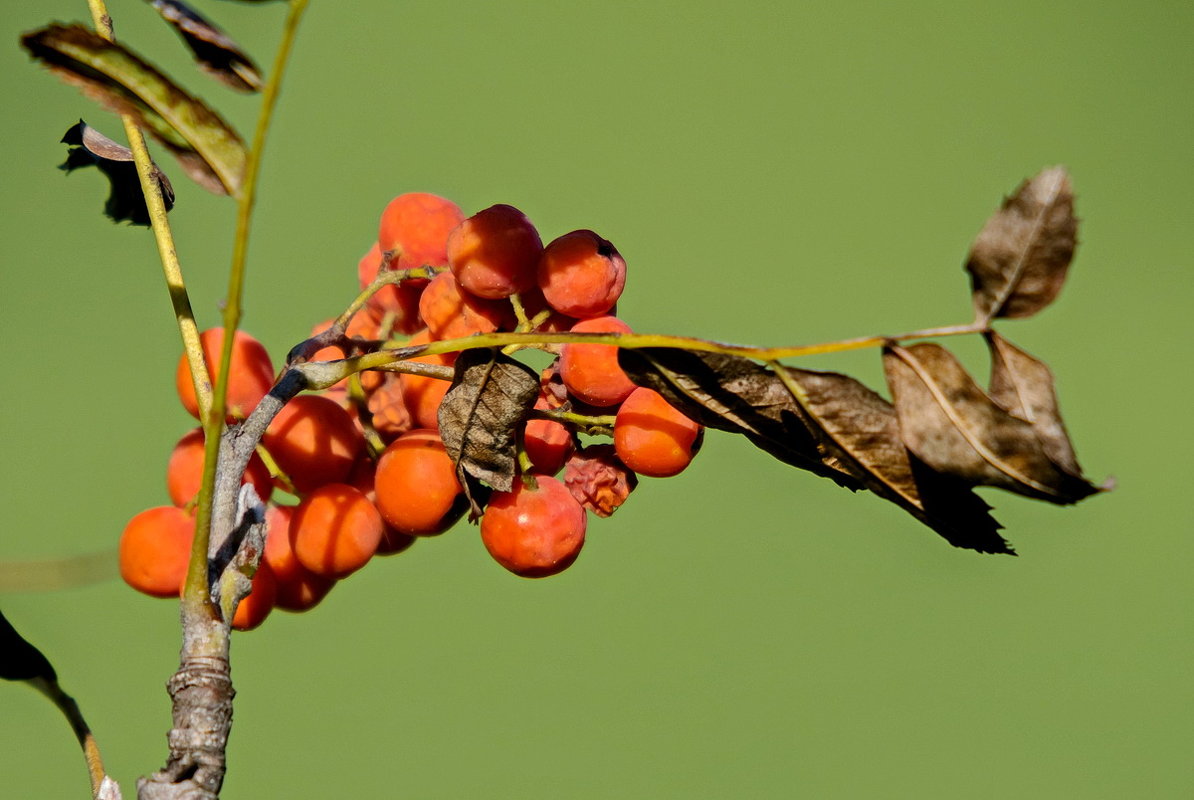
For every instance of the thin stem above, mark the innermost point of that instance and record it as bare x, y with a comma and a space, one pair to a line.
196, 590
168, 256
70, 709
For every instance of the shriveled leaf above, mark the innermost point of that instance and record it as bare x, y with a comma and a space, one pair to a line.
825, 422
951, 424
1018, 263
215, 52
490, 397
19, 660
733, 394
1023, 386
90, 148
206, 146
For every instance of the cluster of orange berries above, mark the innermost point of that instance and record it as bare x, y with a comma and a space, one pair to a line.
365, 457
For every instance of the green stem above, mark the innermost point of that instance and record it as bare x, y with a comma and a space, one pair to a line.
196, 590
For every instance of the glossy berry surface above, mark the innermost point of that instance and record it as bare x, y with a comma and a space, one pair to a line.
653, 438
335, 530
581, 274
416, 487
251, 373
495, 253
154, 550
590, 371
534, 531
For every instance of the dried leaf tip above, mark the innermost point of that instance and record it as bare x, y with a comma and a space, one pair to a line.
126, 201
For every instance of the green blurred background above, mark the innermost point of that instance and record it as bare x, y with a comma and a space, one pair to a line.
777, 173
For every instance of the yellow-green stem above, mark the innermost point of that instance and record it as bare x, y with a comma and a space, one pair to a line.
196, 583
172, 271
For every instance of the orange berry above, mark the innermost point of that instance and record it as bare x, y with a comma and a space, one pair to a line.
495, 252
399, 299
155, 548
314, 440
184, 471
581, 274
547, 442
335, 530
416, 225
252, 374
653, 438
416, 486
423, 394
254, 607
534, 531
591, 371
297, 588
451, 312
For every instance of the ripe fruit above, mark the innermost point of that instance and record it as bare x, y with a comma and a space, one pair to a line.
314, 440
416, 486
450, 312
591, 371
495, 252
401, 300
335, 530
416, 225
547, 442
534, 531
184, 471
421, 393
653, 438
254, 607
154, 550
297, 588
581, 274
251, 373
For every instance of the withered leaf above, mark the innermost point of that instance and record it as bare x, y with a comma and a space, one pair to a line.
951, 424
215, 52
1019, 260
1023, 386
490, 397
90, 148
206, 146
20, 660
824, 422
733, 394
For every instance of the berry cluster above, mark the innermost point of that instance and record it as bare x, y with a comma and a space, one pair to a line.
365, 457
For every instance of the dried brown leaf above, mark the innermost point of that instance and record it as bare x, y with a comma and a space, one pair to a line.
479, 417
825, 422
1019, 260
90, 148
951, 424
1023, 386
206, 146
216, 53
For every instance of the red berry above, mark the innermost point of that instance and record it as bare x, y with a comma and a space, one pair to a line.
297, 588
416, 227
254, 607
416, 486
252, 374
591, 371
652, 437
335, 530
495, 252
184, 472
534, 531
548, 443
581, 274
314, 440
155, 548
451, 312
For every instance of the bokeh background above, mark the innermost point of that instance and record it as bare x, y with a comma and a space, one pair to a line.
774, 173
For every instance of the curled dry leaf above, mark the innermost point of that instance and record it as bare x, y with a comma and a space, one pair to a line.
951, 424
825, 422
90, 148
215, 52
479, 417
1019, 260
206, 146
